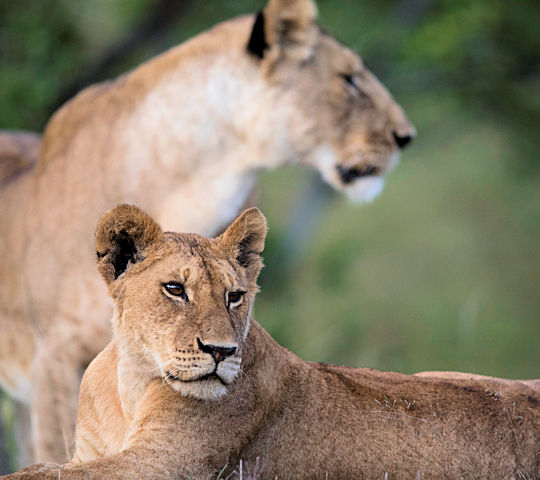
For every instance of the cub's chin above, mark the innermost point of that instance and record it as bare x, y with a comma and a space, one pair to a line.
207, 389
209, 386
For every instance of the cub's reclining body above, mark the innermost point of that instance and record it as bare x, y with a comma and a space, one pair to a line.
187, 388
183, 136
304, 420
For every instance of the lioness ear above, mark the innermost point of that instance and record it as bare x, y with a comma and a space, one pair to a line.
284, 29
245, 240
124, 235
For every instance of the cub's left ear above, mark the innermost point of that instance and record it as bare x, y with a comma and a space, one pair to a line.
245, 240
124, 236
285, 29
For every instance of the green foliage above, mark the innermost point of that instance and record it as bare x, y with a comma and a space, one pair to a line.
439, 273
39, 49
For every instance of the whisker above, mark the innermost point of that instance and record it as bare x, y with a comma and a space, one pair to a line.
167, 386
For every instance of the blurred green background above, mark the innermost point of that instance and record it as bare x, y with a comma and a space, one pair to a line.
440, 273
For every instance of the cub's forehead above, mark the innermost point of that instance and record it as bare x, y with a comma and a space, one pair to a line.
187, 240
192, 257
192, 247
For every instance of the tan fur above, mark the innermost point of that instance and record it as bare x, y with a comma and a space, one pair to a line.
18, 153
483, 378
147, 411
183, 136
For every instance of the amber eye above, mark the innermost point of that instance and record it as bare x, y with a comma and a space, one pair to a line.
233, 298
176, 289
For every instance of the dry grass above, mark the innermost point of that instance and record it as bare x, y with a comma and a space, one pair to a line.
243, 471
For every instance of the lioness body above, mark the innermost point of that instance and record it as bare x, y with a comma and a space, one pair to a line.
183, 136
161, 402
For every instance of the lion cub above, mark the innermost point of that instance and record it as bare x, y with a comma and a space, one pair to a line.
190, 384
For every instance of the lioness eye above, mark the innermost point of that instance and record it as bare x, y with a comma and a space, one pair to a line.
234, 297
350, 80
176, 289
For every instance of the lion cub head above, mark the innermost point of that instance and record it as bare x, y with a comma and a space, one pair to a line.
349, 126
182, 301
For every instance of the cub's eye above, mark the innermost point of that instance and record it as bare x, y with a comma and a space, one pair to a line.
234, 298
176, 289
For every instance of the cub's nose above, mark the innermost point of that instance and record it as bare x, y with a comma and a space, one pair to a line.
402, 140
218, 352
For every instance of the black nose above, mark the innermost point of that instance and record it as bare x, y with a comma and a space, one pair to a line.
218, 353
402, 140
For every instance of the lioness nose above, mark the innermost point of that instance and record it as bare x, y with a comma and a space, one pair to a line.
218, 352
402, 140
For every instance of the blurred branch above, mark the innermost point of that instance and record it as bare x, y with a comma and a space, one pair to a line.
302, 222
159, 19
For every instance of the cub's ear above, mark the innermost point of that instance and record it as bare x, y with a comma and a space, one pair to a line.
245, 240
285, 29
124, 235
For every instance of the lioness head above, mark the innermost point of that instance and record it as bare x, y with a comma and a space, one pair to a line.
351, 129
182, 301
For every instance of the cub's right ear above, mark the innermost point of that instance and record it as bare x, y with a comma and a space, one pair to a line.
244, 239
124, 236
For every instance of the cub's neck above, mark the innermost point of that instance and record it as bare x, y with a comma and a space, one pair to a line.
135, 371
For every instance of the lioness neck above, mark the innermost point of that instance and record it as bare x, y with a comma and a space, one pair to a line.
205, 123
185, 132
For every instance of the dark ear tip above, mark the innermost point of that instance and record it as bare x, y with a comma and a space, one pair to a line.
122, 234
257, 41
113, 220
124, 217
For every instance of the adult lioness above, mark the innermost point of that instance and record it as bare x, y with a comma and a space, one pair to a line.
183, 136
189, 385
